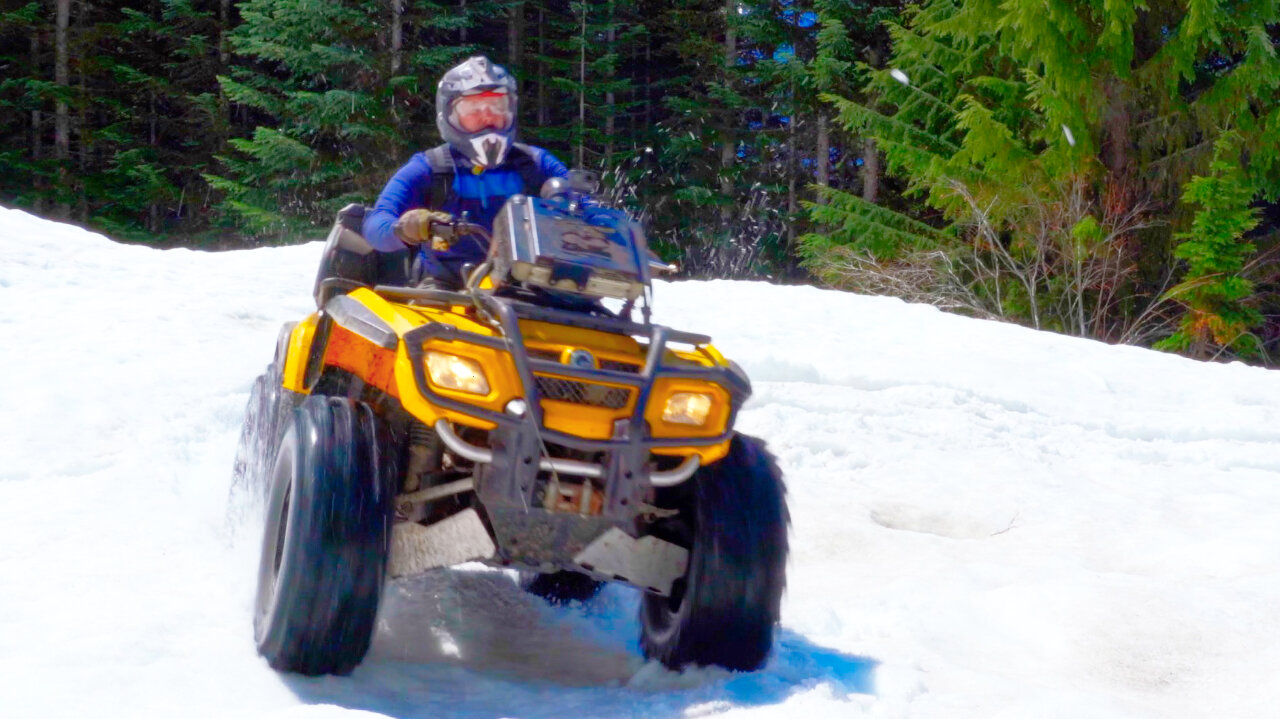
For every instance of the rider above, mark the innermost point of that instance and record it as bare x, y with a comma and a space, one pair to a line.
470, 176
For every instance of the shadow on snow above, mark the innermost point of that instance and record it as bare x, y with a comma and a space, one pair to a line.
470, 643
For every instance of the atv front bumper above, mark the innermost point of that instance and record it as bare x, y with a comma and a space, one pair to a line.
508, 468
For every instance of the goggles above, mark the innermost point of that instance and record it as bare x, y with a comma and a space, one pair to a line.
473, 113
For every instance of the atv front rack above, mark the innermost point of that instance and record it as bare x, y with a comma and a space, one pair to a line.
509, 466
573, 467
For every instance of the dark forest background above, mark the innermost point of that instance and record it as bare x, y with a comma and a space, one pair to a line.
1105, 169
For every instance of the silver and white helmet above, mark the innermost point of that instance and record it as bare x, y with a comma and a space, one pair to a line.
489, 91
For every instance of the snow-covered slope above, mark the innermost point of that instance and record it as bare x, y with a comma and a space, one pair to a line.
987, 521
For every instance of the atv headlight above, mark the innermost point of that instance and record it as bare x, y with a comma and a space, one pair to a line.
687, 408
454, 372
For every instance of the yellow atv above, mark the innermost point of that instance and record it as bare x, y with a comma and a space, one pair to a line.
516, 421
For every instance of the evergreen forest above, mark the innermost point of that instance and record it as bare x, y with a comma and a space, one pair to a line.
1103, 168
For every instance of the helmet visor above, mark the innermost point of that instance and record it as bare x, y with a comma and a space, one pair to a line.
485, 110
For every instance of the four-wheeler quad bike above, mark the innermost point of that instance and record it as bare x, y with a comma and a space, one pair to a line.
517, 422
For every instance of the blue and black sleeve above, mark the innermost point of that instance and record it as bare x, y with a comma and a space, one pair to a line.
404, 192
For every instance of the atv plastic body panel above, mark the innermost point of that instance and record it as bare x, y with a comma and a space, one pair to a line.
378, 337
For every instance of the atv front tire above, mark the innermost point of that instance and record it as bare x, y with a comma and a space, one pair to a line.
325, 549
723, 611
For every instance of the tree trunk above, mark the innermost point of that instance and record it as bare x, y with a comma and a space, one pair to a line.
462, 33
397, 38
1117, 149
62, 120
82, 146
870, 170
1116, 141
791, 167
222, 127
611, 35
728, 148
37, 124
648, 81
870, 153
582, 90
633, 90
542, 68
515, 35
36, 119
224, 19
153, 209
822, 155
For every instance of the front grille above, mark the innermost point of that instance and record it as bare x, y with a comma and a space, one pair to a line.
606, 364
616, 366
594, 395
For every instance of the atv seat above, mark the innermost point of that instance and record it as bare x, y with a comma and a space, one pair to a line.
349, 261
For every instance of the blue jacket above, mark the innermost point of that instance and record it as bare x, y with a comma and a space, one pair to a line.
480, 196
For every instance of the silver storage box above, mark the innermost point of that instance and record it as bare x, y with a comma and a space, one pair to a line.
594, 251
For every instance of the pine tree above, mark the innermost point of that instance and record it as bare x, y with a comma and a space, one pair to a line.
1218, 315
114, 114
719, 198
156, 109
1048, 149
27, 94
852, 33
314, 97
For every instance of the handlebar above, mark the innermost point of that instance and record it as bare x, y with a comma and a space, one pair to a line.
452, 231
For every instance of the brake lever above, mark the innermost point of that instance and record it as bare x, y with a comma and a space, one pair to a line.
463, 228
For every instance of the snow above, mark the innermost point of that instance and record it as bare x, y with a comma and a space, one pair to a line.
987, 521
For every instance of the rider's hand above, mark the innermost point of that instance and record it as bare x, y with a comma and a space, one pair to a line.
414, 226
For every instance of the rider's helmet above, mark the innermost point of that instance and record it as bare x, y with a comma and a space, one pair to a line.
476, 110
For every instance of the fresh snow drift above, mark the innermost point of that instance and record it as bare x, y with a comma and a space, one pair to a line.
986, 521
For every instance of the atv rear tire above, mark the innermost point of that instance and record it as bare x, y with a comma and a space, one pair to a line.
561, 587
324, 552
723, 611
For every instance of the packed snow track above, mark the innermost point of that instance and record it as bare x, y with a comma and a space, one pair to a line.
986, 521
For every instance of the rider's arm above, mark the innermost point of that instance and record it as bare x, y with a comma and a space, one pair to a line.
552, 167
404, 192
